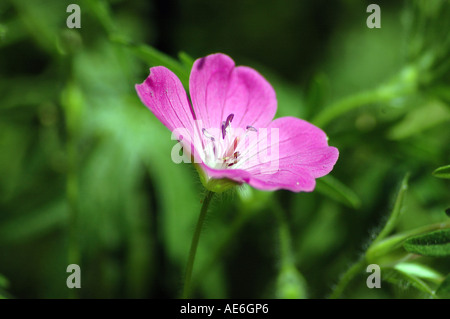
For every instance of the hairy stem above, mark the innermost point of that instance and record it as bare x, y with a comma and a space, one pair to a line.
347, 277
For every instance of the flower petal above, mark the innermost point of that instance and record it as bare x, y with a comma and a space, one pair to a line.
296, 180
163, 93
218, 89
237, 175
299, 153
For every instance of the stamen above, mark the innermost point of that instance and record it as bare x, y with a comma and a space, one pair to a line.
229, 119
235, 159
225, 124
235, 143
223, 129
251, 129
230, 156
207, 135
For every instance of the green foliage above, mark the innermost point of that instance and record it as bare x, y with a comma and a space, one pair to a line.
331, 187
406, 280
290, 284
443, 290
419, 271
442, 172
4, 284
396, 212
434, 244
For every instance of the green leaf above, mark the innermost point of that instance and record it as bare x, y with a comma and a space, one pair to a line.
405, 280
443, 290
434, 244
420, 119
39, 21
153, 57
401, 84
387, 245
11, 91
36, 223
442, 172
316, 97
101, 10
186, 59
396, 212
148, 54
420, 271
345, 105
333, 188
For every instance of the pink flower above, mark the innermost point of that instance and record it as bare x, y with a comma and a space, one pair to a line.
229, 129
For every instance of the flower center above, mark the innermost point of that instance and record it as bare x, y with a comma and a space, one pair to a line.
223, 152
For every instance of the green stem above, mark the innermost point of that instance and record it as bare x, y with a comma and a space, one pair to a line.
194, 244
285, 236
347, 277
213, 257
381, 248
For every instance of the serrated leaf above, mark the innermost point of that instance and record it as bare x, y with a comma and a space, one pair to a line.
396, 241
434, 244
443, 290
442, 172
333, 188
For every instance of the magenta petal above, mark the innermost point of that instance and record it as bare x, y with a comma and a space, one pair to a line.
237, 175
219, 89
303, 156
163, 93
297, 180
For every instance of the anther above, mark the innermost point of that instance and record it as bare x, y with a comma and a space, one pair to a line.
229, 119
223, 130
225, 124
207, 135
251, 129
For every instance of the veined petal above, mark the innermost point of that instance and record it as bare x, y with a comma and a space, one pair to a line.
237, 175
219, 89
296, 180
291, 156
163, 93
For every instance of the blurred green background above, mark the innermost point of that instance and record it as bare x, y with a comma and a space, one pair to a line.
86, 175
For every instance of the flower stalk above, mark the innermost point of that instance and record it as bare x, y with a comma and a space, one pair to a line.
190, 264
